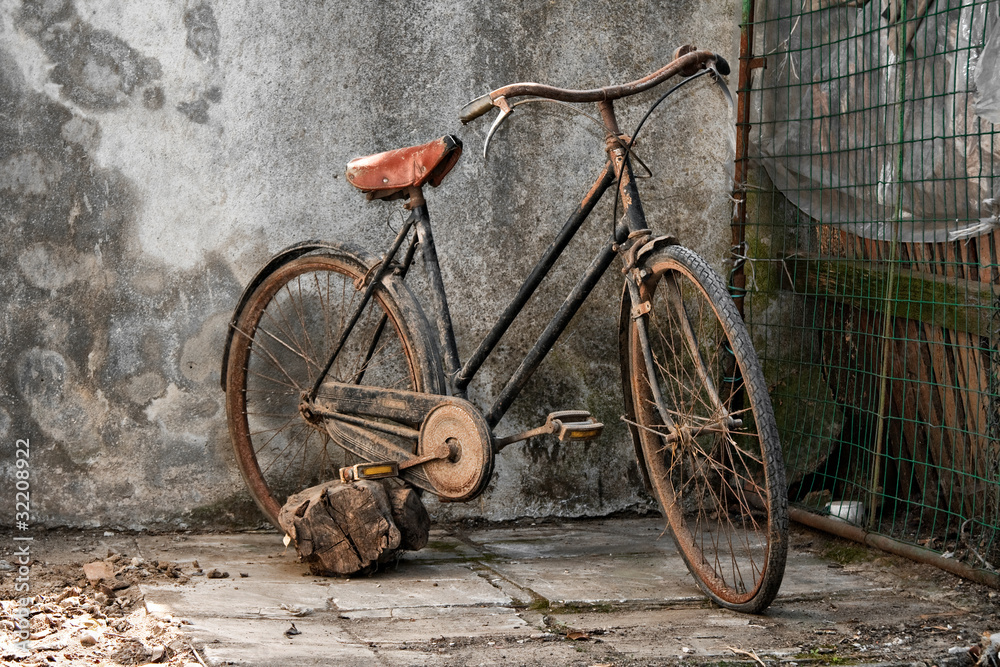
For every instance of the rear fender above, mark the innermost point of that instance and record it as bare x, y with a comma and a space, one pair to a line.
364, 261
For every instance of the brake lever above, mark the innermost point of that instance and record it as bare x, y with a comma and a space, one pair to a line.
505, 111
717, 77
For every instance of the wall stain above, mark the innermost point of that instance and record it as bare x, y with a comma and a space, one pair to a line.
202, 31
203, 39
196, 110
93, 332
96, 69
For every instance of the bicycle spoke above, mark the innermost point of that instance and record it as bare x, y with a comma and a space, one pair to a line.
260, 346
274, 360
268, 378
300, 352
302, 310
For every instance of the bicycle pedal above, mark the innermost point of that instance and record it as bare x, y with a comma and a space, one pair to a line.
369, 471
574, 425
567, 425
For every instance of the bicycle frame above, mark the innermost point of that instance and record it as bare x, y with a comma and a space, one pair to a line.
632, 224
397, 401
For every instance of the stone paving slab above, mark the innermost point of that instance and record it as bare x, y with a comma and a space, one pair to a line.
421, 625
631, 561
710, 633
646, 578
239, 598
488, 596
239, 641
420, 584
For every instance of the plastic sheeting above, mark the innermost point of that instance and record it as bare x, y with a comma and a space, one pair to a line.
867, 119
988, 69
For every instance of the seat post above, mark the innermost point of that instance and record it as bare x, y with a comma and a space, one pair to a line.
414, 197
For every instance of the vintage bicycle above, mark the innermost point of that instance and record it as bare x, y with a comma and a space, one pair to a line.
331, 359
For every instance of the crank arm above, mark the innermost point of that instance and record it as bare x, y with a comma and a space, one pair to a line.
372, 446
442, 451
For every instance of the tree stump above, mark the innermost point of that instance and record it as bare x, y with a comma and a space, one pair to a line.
343, 529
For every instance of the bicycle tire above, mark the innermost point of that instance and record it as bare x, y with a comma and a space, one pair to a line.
722, 492
282, 339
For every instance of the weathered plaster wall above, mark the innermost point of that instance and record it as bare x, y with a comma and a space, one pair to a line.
153, 155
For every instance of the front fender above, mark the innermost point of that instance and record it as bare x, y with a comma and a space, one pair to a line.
624, 323
624, 326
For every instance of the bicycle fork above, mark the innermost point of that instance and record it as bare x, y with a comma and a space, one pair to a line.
635, 273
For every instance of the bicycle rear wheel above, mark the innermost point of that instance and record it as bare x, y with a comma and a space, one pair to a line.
284, 336
706, 431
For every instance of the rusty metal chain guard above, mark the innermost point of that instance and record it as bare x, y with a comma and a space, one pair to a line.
444, 422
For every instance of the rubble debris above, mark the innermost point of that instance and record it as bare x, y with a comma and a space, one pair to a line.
298, 609
97, 571
89, 638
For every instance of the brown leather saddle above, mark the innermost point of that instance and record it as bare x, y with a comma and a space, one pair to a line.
390, 174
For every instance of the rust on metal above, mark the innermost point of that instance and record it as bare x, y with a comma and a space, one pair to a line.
747, 64
841, 528
683, 51
414, 196
597, 189
460, 432
694, 59
641, 309
626, 197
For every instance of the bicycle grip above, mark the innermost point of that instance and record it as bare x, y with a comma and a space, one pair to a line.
476, 108
722, 65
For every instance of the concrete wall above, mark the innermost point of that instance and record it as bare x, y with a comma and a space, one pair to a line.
153, 155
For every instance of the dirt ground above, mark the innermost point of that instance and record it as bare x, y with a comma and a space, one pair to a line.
97, 621
933, 617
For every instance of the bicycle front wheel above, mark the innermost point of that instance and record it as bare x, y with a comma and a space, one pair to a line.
706, 430
283, 338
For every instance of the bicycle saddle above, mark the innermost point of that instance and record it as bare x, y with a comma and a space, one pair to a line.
383, 175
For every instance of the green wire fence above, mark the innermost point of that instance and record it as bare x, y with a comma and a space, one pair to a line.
866, 246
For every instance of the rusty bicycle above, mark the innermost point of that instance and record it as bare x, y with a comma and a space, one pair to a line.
331, 359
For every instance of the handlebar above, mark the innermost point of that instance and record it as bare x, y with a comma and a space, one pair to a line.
688, 62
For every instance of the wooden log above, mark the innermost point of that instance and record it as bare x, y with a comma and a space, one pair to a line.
410, 516
344, 529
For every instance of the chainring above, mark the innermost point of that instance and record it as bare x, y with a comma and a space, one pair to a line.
463, 429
